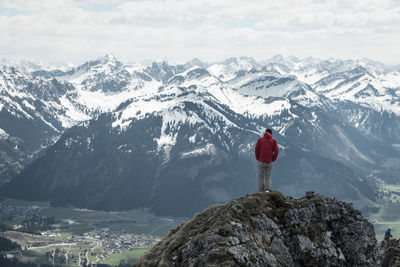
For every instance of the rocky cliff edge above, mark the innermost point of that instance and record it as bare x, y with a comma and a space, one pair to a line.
270, 229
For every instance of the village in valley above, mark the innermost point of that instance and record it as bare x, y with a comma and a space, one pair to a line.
103, 242
75, 237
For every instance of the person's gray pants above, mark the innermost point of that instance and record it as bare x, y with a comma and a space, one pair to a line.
264, 172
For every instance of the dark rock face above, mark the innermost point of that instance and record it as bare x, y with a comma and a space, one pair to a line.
390, 251
269, 229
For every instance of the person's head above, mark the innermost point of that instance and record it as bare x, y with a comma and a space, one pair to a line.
269, 130
390, 228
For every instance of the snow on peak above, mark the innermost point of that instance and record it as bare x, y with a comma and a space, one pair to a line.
109, 59
227, 69
102, 85
22, 65
195, 62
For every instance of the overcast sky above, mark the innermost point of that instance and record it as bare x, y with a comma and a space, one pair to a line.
211, 30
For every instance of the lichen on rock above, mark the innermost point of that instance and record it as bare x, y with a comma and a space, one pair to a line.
270, 229
390, 251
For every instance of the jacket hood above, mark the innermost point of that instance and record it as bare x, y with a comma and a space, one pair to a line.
267, 135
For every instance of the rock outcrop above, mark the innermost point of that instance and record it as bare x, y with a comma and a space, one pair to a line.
270, 229
390, 251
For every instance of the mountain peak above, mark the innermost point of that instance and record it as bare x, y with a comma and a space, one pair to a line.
23, 64
109, 58
270, 229
108, 61
277, 57
240, 60
195, 61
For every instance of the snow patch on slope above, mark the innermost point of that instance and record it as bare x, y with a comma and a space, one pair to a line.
391, 80
3, 134
72, 114
171, 117
102, 101
209, 149
28, 105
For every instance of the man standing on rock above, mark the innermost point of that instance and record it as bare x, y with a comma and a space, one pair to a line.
388, 234
266, 153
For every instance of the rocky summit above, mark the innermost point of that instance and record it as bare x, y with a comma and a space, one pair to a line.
270, 229
390, 251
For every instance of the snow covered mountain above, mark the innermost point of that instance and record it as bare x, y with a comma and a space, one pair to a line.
365, 92
36, 107
178, 138
227, 69
31, 117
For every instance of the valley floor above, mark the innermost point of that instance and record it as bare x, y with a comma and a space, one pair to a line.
74, 237
389, 212
388, 216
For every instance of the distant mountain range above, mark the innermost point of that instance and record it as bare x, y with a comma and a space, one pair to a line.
178, 138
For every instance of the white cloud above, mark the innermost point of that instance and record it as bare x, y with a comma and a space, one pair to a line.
210, 29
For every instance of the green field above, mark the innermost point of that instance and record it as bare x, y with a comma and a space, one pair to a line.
76, 229
34, 256
20, 202
130, 255
38, 256
63, 213
76, 222
134, 221
388, 216
155, 229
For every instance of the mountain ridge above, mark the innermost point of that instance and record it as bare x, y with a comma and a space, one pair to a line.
189, 112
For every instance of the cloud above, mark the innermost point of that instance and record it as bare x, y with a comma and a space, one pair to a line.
182, 29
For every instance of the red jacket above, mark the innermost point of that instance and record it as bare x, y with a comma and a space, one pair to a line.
266, 148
